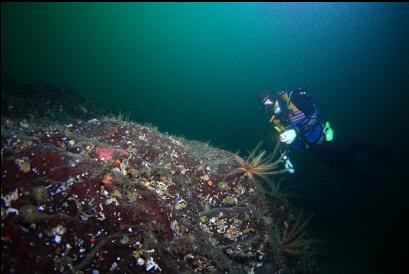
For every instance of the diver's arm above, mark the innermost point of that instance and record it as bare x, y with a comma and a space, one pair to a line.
310, 122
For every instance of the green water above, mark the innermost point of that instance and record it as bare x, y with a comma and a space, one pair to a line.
195, 69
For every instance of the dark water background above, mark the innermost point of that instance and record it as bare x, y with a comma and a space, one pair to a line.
195, 70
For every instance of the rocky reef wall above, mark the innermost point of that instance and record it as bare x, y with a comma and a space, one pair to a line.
107, 195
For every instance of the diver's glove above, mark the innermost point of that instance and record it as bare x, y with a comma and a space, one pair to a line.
288, 165
288, 136
329, 132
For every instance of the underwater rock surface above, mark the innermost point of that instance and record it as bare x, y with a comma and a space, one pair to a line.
107, 195
44, 101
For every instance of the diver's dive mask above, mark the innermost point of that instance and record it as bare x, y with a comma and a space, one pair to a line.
267, 103
272, 105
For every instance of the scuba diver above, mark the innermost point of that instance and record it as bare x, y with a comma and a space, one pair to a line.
296, 118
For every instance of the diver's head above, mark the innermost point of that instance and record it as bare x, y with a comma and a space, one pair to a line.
270, 102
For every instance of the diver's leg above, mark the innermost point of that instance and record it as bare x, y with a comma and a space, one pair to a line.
355, 159
373, 152
334, 154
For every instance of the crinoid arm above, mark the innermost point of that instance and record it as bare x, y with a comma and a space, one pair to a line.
293, 241
277, 189
259, 164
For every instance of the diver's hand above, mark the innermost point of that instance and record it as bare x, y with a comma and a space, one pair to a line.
288, 136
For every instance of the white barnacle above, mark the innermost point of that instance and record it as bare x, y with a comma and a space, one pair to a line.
140, 261
59, 230
204, 178
212, 220
150, 263
10, 197
112, 200
180, 204
57, 239
175, 227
